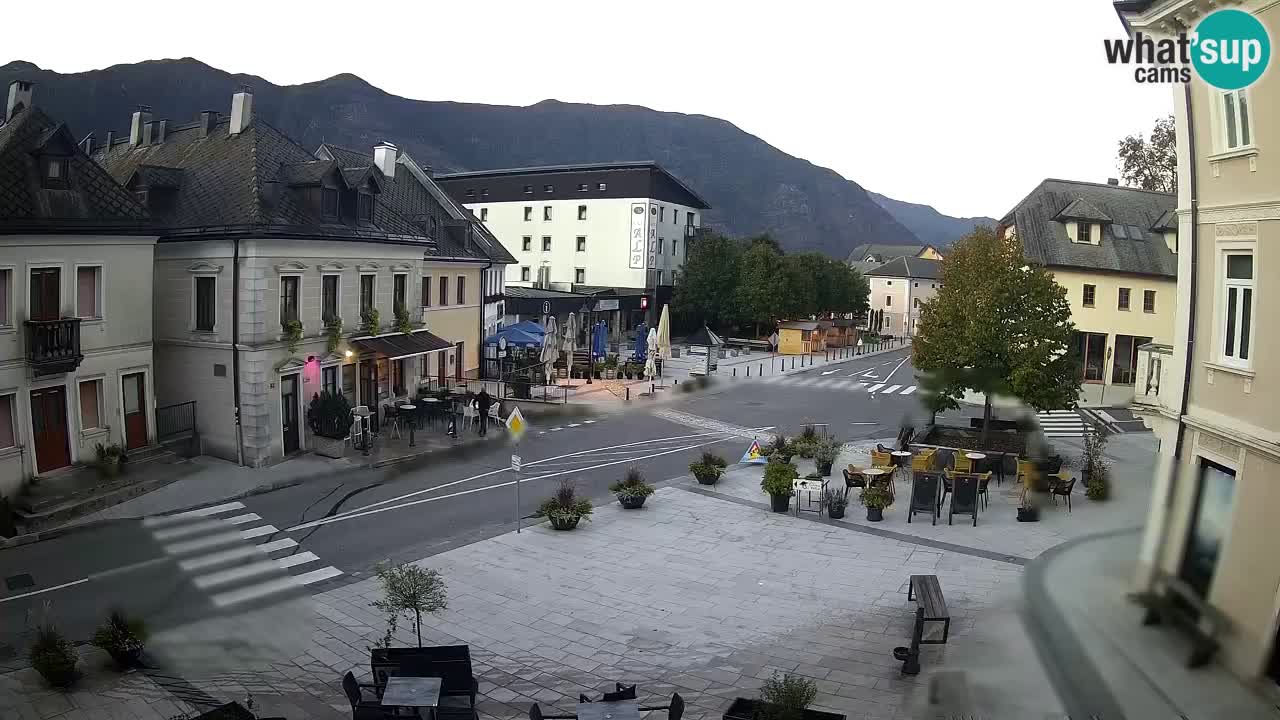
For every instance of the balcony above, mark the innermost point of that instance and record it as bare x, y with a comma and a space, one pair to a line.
1153, 386
53, 346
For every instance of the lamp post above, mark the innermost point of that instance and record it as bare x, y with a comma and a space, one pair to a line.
591, 351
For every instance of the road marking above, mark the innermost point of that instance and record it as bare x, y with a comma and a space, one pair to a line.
587, 422
288, 582
160, 520
874, 388
891, 389
860, 386
897, 367
828, 372
574, 424
909, 390
235, 574
258, 532
45, 590
225, 556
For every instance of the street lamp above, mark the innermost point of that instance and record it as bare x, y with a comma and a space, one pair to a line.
591, 351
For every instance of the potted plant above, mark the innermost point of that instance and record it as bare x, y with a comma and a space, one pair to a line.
825, 456
123, 638
53, 655
876, 498
565, 508
407, 589
332, 333
708, 470
329, 417
111, 459
780, 449
369, 321
1027, 510
782, 697
632, 490
1095, 471
835, 500
403, 324
292, 334
777, 483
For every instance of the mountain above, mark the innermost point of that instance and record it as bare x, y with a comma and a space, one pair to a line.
931, 226
752, 186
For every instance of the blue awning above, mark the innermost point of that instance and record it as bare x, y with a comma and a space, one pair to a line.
516, 337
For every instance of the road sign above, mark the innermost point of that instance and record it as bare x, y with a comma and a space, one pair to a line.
502, 343
515, 463
859, 342
516, 424
753, 456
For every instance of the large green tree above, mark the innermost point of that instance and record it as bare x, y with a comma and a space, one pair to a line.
1151, 163
706, 287
762, 287
998, 325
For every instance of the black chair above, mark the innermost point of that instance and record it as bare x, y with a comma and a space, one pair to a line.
622, 692
535, 713
361, 709
1060, 490
584, 699
675, 710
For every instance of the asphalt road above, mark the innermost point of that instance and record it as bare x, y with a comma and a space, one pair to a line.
225, 559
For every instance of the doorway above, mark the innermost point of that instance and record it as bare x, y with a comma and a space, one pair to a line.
49, 428
1214, 494
289, 412
1091, 349
440, 376
133, 389
46, 293
1125, 363
457, 362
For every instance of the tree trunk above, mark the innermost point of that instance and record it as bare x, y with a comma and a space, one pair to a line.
986, 418
417, 621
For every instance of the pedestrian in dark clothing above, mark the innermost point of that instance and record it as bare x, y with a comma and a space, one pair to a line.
483, 402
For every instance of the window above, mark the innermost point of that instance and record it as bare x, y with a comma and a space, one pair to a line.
349, 383
661, 242
471, 192
546, 212
1235, 116
366, 293
444, 291
579, 275
6, 285
329, 379
288, 299
1089, 292
397, 376
431, 230
364, 207
674, 243
484, 214
55, 172
546, 243
582, 187
581, 244
89, 292
528, 213
329, 297
662, 214
426, 291
528, 189
1123, 301
888, 301
90, 405
602, 186
399, 292
329, 202
688, 219
462, 290
526, 243
524, 274
1236, 317
1083, 233
548, 188
1148, 301
206, 315
582, 212
8, 438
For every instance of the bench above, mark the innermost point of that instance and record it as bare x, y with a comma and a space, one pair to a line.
997, 425
746, 343
926, 591
1173, 601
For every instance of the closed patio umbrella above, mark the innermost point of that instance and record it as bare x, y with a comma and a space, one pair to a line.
650, 364
600, 340
664, 333
642, 340
569, 336
550, 351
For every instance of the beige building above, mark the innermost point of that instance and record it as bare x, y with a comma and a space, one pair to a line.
264, 247
75, 299
898, 289
869, 256
1212, 402
1114, 250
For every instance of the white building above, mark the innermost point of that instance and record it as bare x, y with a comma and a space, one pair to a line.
610, 225
898, 289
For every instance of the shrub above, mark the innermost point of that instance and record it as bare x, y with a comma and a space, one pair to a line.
710, 458
53, 655
332, 333
122, 637
705, 471
826, 452
1096, 469
329, 415
876, 497
777, 446
403, 325
808, 434
369, 321
292, 334
787, 695
835, 500
406, 589
565, 504
778, 477
632, 485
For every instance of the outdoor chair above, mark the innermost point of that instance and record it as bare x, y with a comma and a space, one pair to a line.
923, 460
1057, 490
960, 463
853, 477
881, 459
984, 480
391, 418
361, 709
535, 713
675, 709
621, 692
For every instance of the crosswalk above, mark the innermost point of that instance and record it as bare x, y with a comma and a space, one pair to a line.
846, 384
1062, 423
229, 553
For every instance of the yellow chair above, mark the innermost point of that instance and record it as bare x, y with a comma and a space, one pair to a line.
881, 460
962, 463
923, 460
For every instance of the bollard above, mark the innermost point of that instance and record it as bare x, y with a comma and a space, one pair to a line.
364, 436
651, 389
412, 426
735, 372
760, 370
748, 371
628, 393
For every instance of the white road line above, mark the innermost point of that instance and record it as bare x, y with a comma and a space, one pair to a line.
874, 388
235, 574
160, 520
891, 389
258, 532
828, 372
587, 422
909, 390
45, 590
260, 590
205, 561
302, 558
202, 527
574, 424
860, 386
204, 543
897, 367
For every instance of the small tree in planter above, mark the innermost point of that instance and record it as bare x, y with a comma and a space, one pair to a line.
777, 483
876, 498
1096, 471
825, 455
370, 321
111, 459
632, 490
565, 508
780, 449
123, 638
408, 589
403, 324
835, 500
52, 654
782, 697
329, 417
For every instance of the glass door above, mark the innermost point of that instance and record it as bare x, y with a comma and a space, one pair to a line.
1214, 496
1091, 349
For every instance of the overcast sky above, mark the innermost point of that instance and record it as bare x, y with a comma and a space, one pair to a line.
961, 105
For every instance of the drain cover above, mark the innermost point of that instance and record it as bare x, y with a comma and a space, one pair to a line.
19, 582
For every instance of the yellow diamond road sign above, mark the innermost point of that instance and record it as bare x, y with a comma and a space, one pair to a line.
516, 424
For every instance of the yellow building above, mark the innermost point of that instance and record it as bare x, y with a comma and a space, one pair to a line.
798, 337
1212, 402
1114, 249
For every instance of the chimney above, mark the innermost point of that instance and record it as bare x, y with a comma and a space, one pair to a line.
241, 111
87, 144
148, 133
162, 131
208, 120
19, 98
111, 138
141, 118
1113, 182
384, 156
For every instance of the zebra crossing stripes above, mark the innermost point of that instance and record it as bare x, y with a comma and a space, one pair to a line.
231, 554
814, 382
1062, 423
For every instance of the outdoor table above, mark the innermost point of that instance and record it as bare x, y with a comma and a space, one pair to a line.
901, 458
622, 710
431, 407
412, 692
977, 458
412, 409
874, 473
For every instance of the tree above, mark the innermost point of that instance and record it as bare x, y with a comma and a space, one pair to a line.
706, 287
761, 287
408, 589
1151, 164
998, 325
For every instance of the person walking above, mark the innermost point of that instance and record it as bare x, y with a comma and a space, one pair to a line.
483, 402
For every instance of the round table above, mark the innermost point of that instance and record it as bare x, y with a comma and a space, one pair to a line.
975, 458
875, 472
900, 458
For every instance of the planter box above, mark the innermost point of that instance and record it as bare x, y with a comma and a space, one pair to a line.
329, 447
631, 503
564, 524
745, 709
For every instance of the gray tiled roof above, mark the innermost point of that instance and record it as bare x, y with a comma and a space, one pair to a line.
539, 293
154, 176
1044, 239
909, 267
1080, 209
882, 252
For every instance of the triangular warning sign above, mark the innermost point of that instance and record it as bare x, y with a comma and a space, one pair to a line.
753, 456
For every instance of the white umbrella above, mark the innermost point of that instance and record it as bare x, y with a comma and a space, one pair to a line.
650, 363
570, 333
664, 333
550, 352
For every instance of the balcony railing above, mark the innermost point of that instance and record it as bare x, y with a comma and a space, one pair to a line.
53, 346
690, 231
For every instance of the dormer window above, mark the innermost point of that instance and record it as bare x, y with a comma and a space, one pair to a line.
329, 202
53, 175
364, 207
1083, 230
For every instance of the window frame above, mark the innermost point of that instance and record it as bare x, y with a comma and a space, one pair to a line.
297, 299
484, 214
525, 273
444, 291
580, 243
327, 193
1124, 298
1084, 233
364, 207
63, 164
424, 295
373, 293
526, 243
528, 189
461, 290
579, 276
99, 290
1089, 295
337, 295
1149, 295
582, 212
12, 397
1239, 120
528, 213
97, 398
399, 292
546, 213
1220, 314
195, 302
7, 323
546, 243
325, 370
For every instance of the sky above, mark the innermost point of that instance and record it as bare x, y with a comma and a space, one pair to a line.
965, 106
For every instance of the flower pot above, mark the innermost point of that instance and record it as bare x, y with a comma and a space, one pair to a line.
329, 447
707, 478
780, 503
126, 659
875, 514
1028, 514
824, 469
835, 513
563, 523
109, 468
630, 502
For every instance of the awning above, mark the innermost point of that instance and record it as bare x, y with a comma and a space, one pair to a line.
394, 347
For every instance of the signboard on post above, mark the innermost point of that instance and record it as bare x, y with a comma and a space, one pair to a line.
636, 256
516, 425
606, 305
515, 463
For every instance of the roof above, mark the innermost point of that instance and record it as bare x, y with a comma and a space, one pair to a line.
1080, 209
1166, 222
400, 345
798, 325
905, 267
579, 168
92, 200
1127, 244
704, 336
608, 290
844, 322
155, 176
512, 291
882, 252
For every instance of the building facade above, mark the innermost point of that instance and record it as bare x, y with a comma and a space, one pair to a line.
898, 289
76, 252
280, 273
1114, 250
1212, 402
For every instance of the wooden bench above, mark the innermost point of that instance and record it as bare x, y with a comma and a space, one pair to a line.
1173, 601
926, 591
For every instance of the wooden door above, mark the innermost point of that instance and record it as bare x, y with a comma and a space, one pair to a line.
289, 412
457, 362
49, 428
440, 367
133, 388
46, 294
